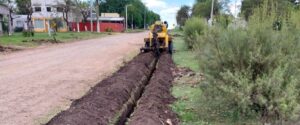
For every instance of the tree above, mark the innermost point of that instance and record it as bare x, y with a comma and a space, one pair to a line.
282, 6
9, 3
183, 15
66, 8
202, 8
83, 6
138, 13
113, 6
24, 7
97, 14
248, 6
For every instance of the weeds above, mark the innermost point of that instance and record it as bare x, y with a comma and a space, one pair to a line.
251, 73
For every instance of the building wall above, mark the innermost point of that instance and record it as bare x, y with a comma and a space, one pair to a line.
45, 10
19, 21
41, 7
104, 26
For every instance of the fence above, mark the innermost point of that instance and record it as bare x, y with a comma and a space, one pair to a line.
104, 26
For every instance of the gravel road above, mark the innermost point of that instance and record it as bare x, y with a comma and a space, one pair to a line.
37, 84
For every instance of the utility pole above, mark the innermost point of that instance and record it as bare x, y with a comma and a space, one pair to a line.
126, 11
10, 18
49, 23
212, 12
91, 15
235, 6
145, 19
97, 12
132, 21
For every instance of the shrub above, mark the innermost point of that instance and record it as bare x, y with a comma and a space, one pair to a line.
109, 30
18, 29
28, 33
192, 28
253, 72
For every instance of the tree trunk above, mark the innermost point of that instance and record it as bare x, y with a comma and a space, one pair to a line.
66, 18
11, 21
97, 13
30, 24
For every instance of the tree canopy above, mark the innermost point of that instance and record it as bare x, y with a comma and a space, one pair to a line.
282, 6
183, 15
137, 11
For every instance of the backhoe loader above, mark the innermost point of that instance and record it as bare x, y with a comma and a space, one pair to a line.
158, 39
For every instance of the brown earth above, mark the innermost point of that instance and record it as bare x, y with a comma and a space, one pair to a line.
38, 83
107, 103
153, 107
7, 49
45, 41
112, 101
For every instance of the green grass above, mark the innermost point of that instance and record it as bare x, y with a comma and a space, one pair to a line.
185, 93
183, 57
129, 30
185, 105
17, 39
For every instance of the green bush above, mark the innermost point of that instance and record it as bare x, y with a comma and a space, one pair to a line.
18, 29
192, 28
252, 73
28, 33
109, 30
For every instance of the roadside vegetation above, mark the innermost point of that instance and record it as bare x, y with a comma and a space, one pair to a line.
251, 72
138, 13
134, 30
39, 38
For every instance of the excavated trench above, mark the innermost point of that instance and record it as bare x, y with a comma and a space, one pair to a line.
137, 94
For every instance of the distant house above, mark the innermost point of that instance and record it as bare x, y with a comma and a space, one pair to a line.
44, 11
4, 12
19, 21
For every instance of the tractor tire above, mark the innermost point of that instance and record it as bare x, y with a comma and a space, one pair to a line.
170, 47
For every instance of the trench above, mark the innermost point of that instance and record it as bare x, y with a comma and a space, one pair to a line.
130, 107
115, 100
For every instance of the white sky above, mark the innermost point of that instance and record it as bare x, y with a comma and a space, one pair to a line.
168, 8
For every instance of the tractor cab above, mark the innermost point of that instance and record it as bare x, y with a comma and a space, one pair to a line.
158, 39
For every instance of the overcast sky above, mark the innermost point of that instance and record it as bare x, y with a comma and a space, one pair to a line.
168, 8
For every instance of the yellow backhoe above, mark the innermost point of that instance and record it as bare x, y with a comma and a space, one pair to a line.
158, 40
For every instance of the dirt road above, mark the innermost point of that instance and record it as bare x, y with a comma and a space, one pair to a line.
37, 84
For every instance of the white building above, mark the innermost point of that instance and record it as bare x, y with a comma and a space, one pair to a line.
45, 10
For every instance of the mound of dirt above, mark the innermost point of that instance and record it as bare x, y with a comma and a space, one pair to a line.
153, 107
7, 49
110, 100
185, 75
44, 41
2, 49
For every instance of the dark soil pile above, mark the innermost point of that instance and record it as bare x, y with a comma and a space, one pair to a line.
111, 100
44, 41
187, 76
7, 49
153, 107
2, 49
